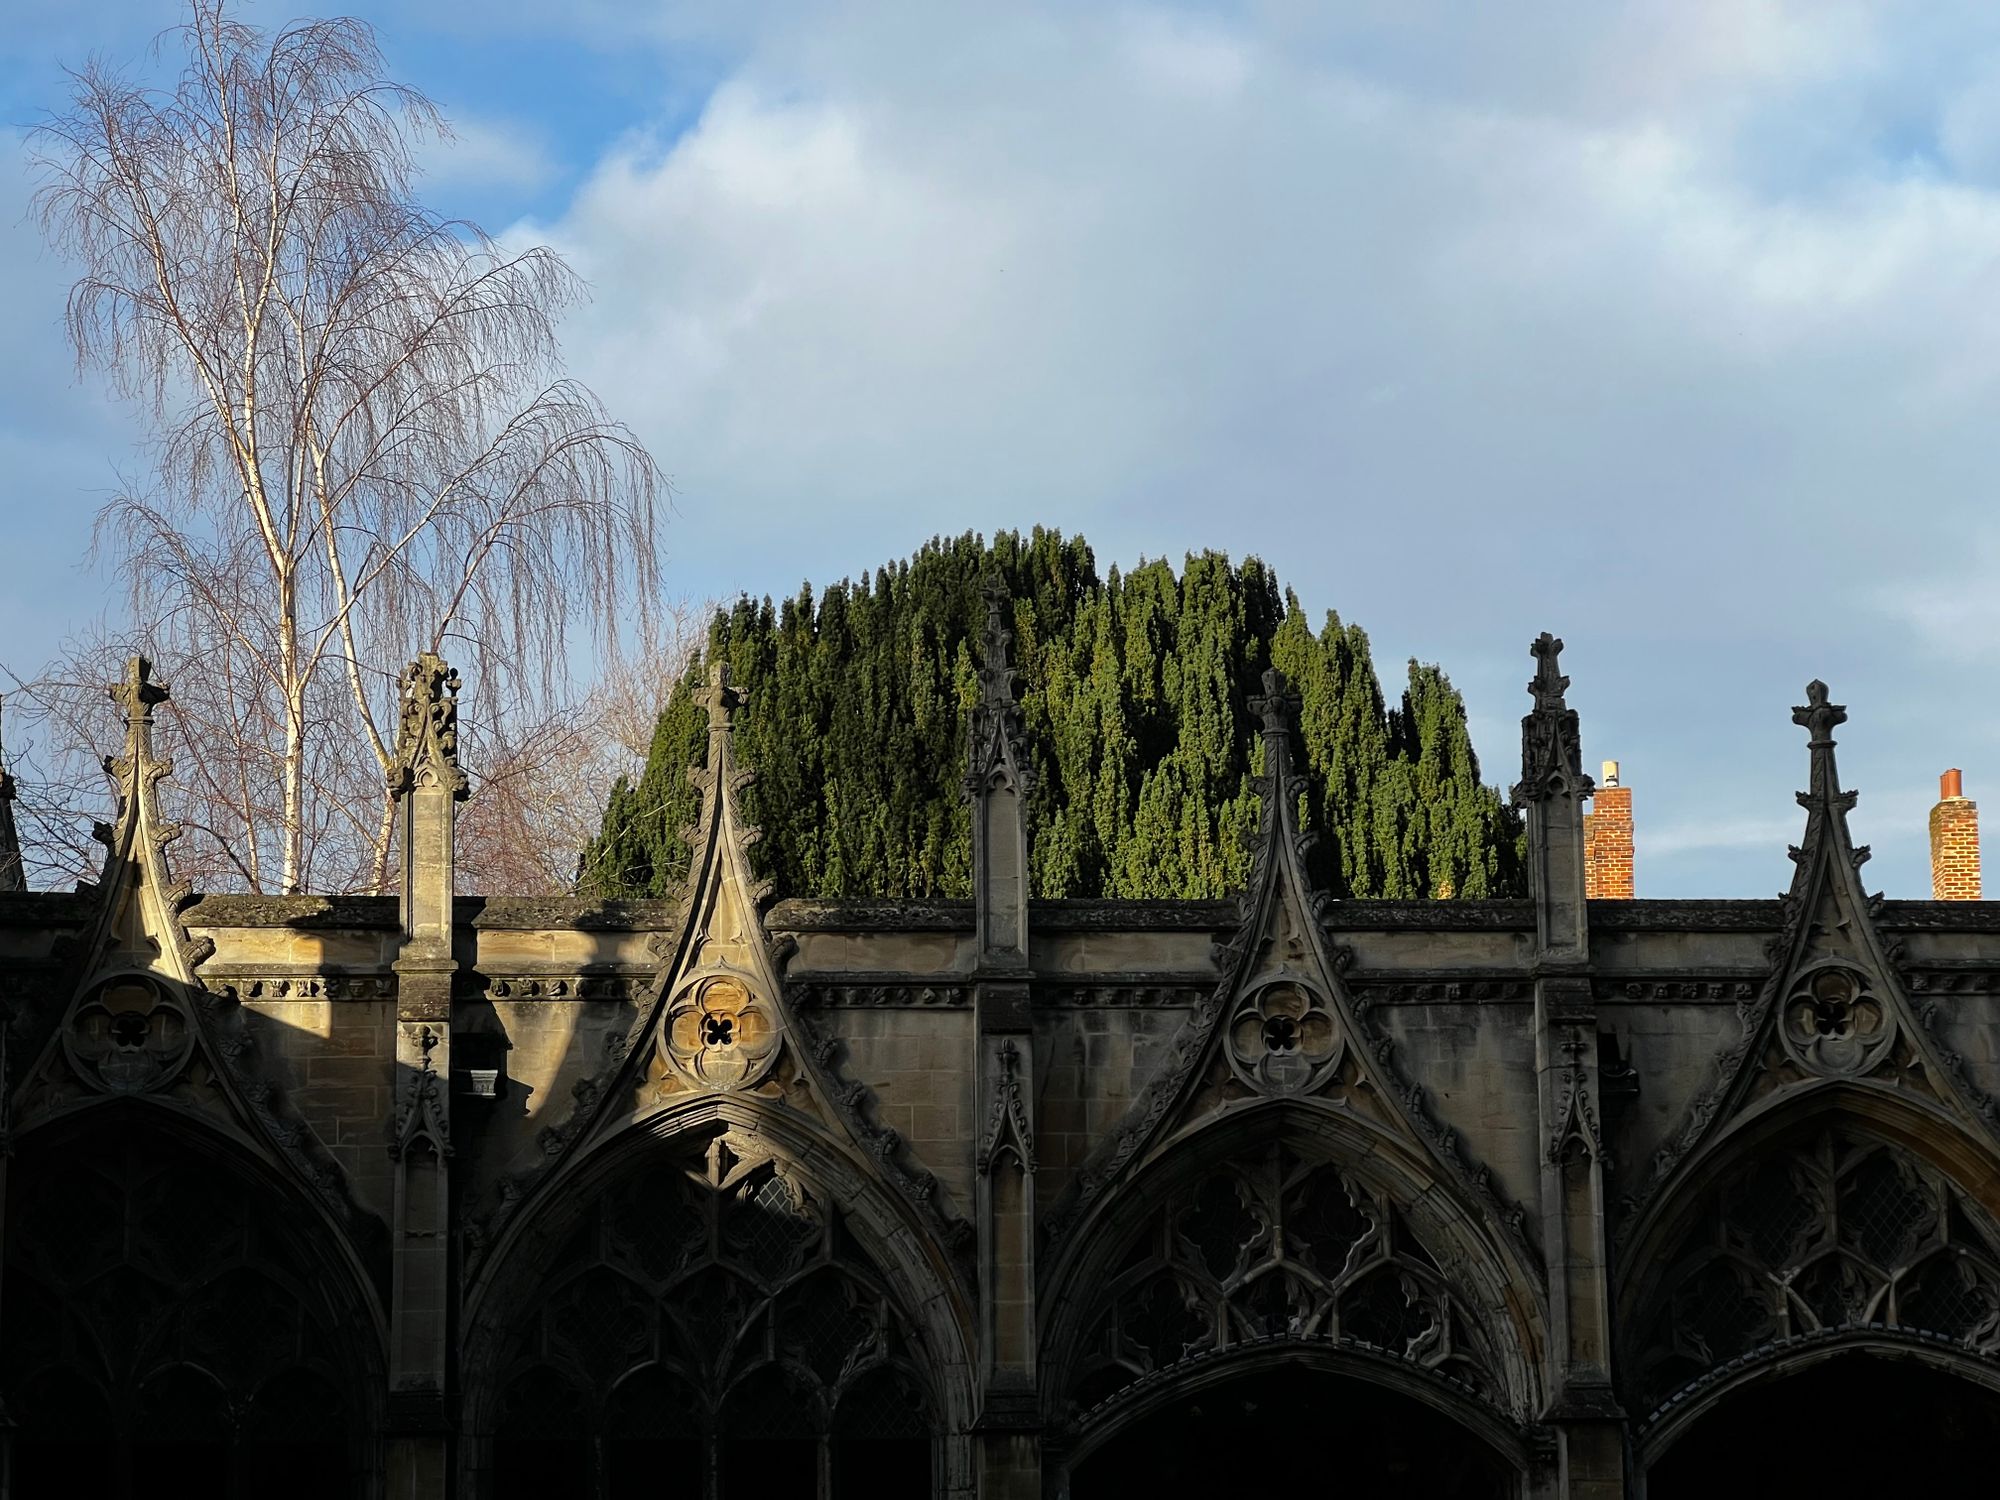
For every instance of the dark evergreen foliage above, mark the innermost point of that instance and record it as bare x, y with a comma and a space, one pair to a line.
1136, 710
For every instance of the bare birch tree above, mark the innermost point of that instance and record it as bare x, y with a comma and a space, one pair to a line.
365, 445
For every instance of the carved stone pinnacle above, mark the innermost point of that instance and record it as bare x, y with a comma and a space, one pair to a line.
427, 729
996, 718
1548, 684
1551, 742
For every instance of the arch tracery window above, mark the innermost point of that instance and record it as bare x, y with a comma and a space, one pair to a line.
160, 1331
1841, 1232
1278, 1245
714, 1309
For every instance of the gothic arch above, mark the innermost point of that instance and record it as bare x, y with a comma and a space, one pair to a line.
154, 1261
1399, 1259
765, 1151
1203, 1372
1852, 1219
1657, 1438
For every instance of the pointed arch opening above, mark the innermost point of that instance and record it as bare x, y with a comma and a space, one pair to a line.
1835, 1225
708, 1307
173, 1320
1287, 1235
1866, 1414
1284, 1426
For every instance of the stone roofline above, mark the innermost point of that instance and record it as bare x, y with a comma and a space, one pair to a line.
822, 914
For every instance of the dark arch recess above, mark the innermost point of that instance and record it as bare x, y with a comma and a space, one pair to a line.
507, 1281
1287, 1422
715, 1299
168, 1282
1857, 1416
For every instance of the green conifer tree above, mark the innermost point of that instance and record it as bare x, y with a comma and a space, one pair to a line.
1135, 708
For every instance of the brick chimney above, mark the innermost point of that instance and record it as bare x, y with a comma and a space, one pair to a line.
1954, 841
1607, 840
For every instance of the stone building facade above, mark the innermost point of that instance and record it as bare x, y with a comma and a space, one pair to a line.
486, 1197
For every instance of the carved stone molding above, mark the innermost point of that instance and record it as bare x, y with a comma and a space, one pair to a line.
906, 994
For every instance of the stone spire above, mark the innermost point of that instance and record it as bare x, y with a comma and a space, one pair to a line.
994, 745
1552, 791
999, 781
1551, 743
13, 875
1826, 860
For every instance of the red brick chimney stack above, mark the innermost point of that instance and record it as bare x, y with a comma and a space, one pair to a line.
1954, 841
1607, 840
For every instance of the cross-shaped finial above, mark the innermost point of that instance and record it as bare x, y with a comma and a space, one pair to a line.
136, 692
1276, 705
1818, 716
1548, 684
721, 699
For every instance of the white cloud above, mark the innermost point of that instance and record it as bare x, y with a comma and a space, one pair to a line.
488, 154
1624, 322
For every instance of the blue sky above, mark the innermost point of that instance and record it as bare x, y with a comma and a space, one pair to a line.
1671, 327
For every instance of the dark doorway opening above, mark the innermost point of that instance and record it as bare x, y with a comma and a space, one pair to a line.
1861, 1424
1294, 1431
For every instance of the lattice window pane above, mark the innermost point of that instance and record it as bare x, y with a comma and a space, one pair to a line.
243, 1326
882, 1404
825, 1323
1885, 1212
1771, 1211
540, 1403
713, 1308
602, 1324
654, 1404
182, 1405
296, 1406
656, 1223
1837, 1291
1219, 1225
1393, 1311
772, 1403
127, 1313
189, 1222
1165, 1321
1717, 1314
764, 1227
1952, 1296
1274, 1303
1323, 1222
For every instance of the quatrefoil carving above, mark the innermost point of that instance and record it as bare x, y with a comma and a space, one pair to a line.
129, 1034
720, 1034
1834, 1022
1283, 1038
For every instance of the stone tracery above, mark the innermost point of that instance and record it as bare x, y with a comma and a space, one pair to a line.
1277, 1245
1841, 1232
714, 1297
